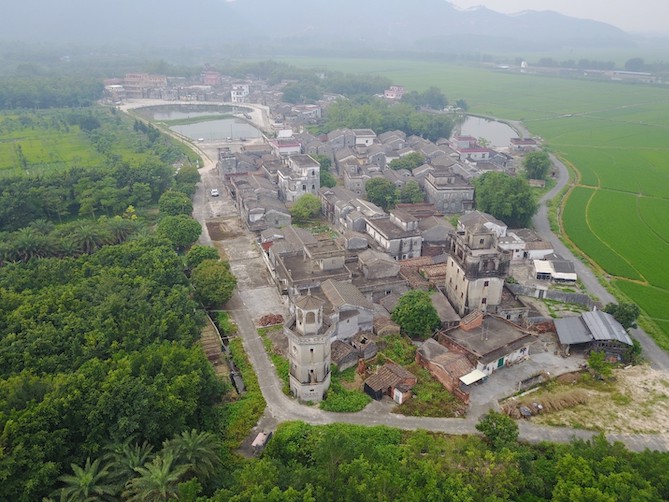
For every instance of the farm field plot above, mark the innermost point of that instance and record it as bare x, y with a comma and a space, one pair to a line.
615, 134
654, 302
591, 244
608, 213
42, 149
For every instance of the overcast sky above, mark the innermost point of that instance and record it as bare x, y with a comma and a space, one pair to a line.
641, 16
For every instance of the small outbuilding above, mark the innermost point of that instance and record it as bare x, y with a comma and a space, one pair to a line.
391, 380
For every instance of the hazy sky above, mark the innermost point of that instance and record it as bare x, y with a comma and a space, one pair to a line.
644, 16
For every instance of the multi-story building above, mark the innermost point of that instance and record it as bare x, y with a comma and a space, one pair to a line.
301, 175
398, 234
475, 270
309, 341
449, 192
239, 93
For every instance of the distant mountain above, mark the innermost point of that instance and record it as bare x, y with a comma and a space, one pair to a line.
433, 25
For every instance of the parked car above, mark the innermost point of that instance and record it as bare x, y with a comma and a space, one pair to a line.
214, 192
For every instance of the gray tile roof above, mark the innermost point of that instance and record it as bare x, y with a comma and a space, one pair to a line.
341, 293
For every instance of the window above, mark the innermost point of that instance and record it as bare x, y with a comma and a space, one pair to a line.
480, 241
486, 283
304, 188
484, 301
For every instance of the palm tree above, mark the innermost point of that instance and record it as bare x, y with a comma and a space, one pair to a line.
28, 243
119, 229
87, 484
199, 450
89, 236
157, 481
123, 459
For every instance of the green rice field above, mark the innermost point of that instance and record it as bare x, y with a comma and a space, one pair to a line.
615, 134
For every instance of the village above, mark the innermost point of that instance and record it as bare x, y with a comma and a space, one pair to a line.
512, 312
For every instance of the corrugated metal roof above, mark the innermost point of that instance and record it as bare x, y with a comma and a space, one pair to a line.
590, 326
572, 330
604, 327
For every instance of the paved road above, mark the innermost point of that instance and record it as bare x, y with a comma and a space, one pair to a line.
281, 408
657, 357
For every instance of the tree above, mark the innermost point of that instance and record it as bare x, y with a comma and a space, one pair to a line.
306, 207
381, 192
124, 458
507, 198
198, 450
181, 230
434, 98
409, 161
86, 484
157, 481
536, 165
411, 193
197, 254
174, 203
327, 179
213, 282
625, 313
635, 64
324, 161
599, 365
416, 315
499, 430
462, 104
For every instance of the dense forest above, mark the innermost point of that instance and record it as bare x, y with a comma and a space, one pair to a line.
345, 462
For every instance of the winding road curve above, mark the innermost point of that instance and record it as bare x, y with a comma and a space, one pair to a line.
281, 408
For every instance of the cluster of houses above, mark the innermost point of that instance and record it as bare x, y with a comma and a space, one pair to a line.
341, 290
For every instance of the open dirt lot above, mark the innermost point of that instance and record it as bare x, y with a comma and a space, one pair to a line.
636, 402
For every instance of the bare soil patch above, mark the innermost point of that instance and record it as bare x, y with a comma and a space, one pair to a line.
636, 401
221, 230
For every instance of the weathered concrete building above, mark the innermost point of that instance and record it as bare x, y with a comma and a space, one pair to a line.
475, 270
309, 341
397, 235
301, 176
449, 192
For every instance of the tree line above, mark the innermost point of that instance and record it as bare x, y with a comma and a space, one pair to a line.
381, 116
347, 462
48, 91
137, 169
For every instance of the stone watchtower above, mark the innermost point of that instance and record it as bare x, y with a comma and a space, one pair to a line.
475, 270
308, 349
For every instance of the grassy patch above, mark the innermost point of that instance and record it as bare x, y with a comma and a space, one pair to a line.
280, 361
194, 120
241, 413
399, 349
555, 307
430, 398
225, 324
343, 398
